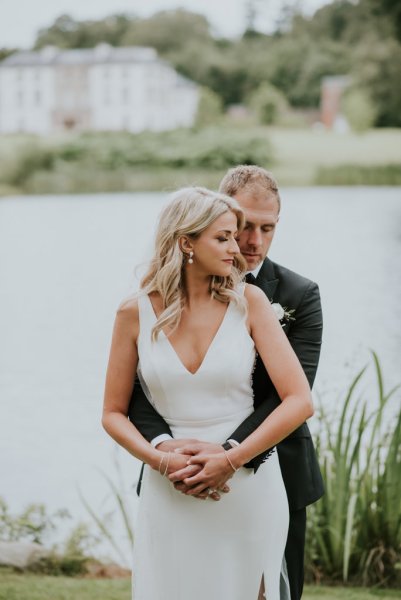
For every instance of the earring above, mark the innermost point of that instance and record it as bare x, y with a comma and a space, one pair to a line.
190, 259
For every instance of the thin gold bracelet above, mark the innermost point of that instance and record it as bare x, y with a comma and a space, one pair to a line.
161, 462
168, 462
230, 461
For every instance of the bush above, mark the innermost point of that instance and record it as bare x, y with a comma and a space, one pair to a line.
268, 103
359, 109
59, 564
105, 161
33, 524
354, 531
210, 108
31, 158
359, 175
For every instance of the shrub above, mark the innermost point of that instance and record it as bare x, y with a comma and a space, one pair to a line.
93, 161
359, 109
210, 108
31, 158
268, 103
33, 524
359, 175
354, 531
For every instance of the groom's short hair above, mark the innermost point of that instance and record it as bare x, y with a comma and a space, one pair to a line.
251, 177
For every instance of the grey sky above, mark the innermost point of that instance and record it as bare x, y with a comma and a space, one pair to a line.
20, 19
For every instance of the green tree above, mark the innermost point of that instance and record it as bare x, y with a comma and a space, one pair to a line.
168, 31
66, 32
376, 69
344, 37
4, 52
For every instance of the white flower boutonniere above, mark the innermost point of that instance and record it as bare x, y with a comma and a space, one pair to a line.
283, 314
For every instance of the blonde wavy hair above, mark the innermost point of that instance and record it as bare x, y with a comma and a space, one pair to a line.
190, 211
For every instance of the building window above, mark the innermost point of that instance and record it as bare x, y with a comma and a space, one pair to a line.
38, 98
20, 98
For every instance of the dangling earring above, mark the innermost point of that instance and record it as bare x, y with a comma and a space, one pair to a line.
190, 259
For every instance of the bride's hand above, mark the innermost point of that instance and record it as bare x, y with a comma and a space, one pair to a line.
171, 462
193, 448
216, 471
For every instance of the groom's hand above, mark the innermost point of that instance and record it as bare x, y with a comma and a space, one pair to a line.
173, 445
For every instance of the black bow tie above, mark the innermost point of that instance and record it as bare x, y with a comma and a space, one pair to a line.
250, 278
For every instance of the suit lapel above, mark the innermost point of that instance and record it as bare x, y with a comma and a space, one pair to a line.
267, 280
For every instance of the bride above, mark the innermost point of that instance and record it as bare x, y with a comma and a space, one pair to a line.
191, 334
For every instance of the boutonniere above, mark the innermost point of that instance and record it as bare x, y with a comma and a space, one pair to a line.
282, 313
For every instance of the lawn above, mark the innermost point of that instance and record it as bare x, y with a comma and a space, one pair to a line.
35, 587
299, 152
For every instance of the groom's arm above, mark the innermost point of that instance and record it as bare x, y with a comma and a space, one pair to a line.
145, 418
305, 337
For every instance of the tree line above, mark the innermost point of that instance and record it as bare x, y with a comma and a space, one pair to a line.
361, 39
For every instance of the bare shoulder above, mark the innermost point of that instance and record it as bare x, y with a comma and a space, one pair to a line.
259, 307
254, 295
128, 311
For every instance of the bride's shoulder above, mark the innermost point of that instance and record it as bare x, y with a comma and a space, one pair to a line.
129, 308
253, 294
258, 303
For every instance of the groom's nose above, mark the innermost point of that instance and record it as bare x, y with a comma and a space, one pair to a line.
255, 237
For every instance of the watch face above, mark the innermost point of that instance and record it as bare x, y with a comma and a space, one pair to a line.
227, 446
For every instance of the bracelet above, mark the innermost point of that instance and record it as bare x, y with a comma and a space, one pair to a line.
161, 462
168, 462
230, 461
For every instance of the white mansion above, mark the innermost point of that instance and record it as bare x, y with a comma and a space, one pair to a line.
104, 88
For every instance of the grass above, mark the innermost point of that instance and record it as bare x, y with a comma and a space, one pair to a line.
37, 587
34, 587
300, 153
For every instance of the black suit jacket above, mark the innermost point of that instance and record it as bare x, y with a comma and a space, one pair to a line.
298, 461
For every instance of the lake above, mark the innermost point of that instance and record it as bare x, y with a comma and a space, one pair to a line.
67, 261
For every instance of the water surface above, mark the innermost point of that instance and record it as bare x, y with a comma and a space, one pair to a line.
67, 261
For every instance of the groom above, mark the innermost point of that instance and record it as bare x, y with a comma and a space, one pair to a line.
258, 195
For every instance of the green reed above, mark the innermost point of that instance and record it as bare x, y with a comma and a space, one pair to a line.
105, 522
354, 531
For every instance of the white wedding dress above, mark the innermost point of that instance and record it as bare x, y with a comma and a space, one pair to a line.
189, 549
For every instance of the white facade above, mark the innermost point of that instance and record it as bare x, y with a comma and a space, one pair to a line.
101, 89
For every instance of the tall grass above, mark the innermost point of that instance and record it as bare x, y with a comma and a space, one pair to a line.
105, 523
354, 531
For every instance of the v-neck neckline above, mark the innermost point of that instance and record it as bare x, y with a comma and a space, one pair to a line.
170, 345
